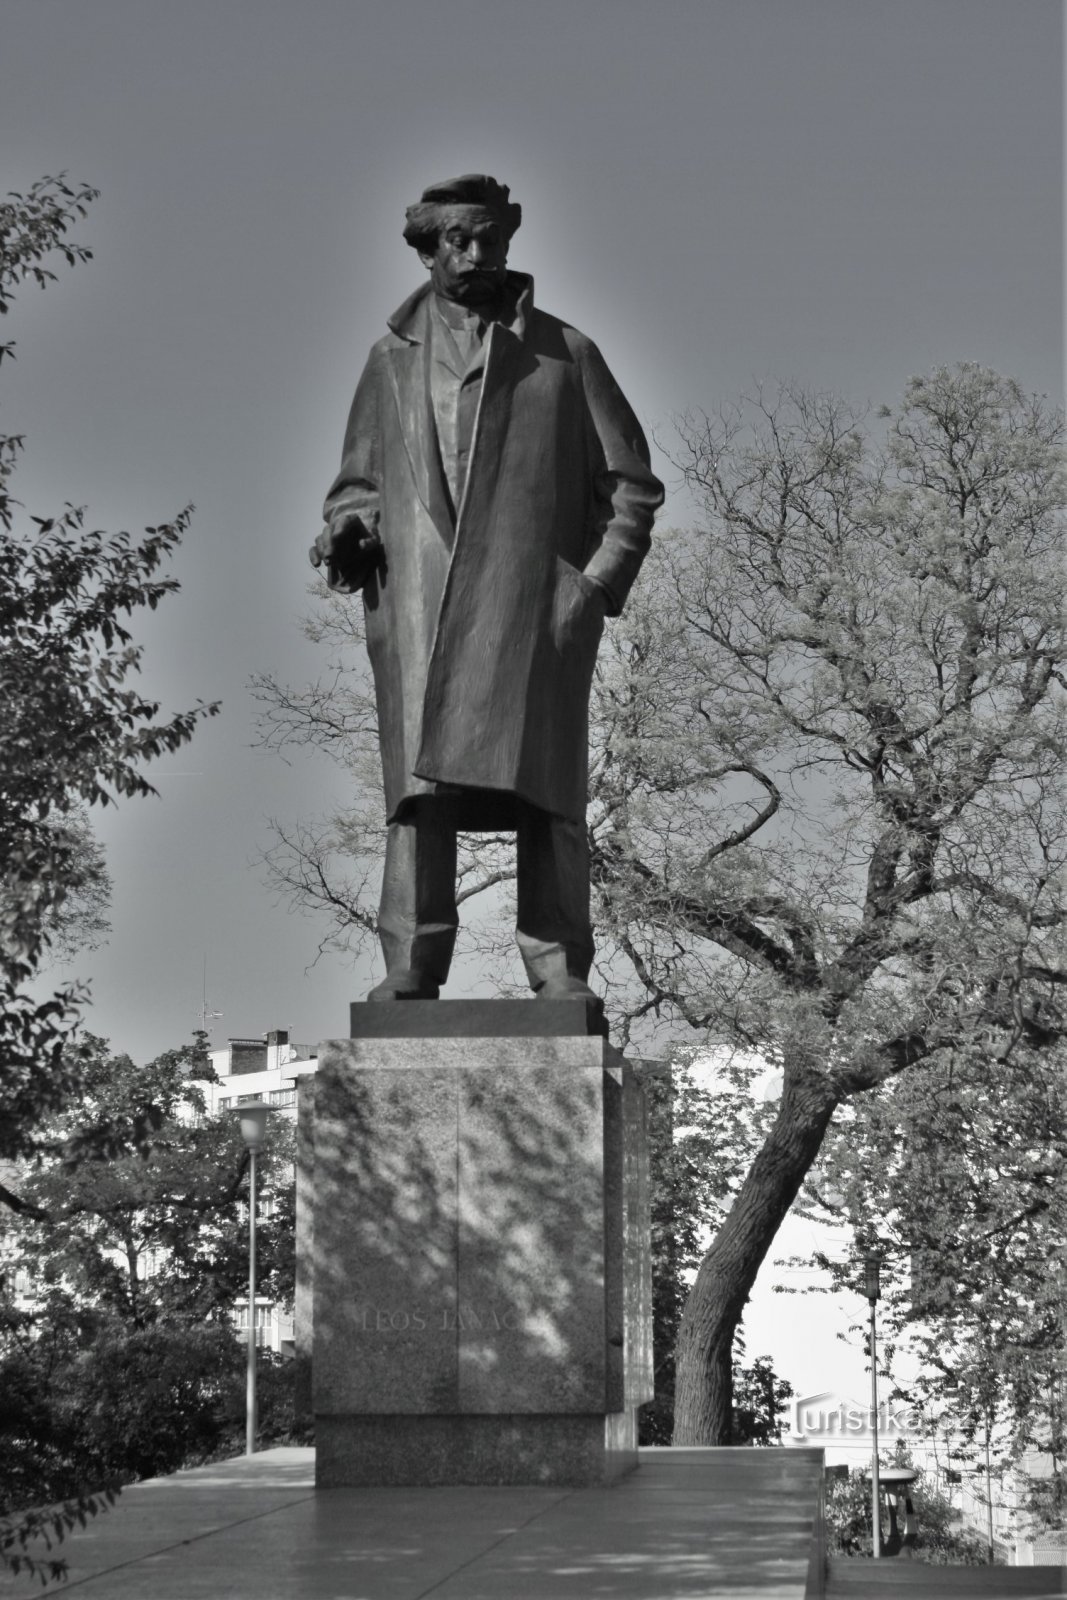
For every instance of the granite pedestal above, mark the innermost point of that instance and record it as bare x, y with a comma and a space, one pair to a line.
474, 1284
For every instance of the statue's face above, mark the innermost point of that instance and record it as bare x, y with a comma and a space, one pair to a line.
470, 262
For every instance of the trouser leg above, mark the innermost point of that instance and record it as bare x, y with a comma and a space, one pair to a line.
417, 917
555, 936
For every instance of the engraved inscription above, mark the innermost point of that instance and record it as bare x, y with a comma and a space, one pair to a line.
468, 1319
448, 1319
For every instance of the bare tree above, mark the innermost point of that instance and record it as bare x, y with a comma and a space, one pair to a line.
829, 818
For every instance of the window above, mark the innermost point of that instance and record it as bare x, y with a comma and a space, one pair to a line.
151, 1262
264, 1318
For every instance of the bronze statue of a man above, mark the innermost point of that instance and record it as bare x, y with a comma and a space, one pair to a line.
494, 503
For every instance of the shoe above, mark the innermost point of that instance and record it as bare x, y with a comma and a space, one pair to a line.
566, 987
405, 984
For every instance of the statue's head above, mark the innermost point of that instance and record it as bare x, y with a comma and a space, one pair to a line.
461, 229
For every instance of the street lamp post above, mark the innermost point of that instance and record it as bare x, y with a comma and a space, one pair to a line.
253, 1120
989, 1490
872, 1264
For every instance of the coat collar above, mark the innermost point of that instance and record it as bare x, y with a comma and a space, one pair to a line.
411, 322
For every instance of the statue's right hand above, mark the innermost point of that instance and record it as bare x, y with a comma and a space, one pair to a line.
337, 538
348, 550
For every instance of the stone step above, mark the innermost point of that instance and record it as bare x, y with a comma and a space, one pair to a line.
916, 1580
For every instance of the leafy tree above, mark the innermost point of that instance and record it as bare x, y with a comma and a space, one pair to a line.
125, 1363
154, 1233
960, 1172
759, 1397
826, 816
75, 732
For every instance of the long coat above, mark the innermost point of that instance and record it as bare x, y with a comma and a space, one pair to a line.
483, 628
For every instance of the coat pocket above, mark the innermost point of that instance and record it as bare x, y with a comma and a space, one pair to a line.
578, 607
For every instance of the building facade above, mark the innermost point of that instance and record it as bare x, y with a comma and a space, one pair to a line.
267, 1069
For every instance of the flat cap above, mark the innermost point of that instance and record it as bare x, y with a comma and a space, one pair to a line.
471, 189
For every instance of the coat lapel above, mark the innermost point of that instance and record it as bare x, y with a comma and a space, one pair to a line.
409, 379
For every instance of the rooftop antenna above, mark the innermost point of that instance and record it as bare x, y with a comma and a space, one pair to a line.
206, 1016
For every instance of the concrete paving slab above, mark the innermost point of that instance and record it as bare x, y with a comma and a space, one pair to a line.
688, 1525
172, 1513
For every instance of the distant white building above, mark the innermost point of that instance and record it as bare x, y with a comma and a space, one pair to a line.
267, 1068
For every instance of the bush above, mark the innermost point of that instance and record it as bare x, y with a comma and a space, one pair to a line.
940, 1542
90, 1403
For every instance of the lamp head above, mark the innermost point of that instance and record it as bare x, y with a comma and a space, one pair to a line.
872, 1275
253, 1121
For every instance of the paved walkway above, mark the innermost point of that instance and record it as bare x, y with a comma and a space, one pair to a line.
688, 1525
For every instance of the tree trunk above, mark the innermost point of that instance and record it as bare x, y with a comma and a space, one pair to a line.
704, 1358
132, 1258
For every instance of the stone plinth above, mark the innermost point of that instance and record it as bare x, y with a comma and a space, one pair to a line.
473, 1265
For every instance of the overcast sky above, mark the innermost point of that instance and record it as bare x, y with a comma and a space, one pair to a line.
841, 191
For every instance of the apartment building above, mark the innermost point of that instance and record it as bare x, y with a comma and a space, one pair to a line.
266, 1068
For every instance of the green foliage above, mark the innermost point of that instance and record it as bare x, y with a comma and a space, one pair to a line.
126, 1363
98, 1402
1044, 1498
75, 731
89, 1400
940, 1541
75, 734
961, 1172
848, 1515
759, 1398
159, 1233
49, 1527
33, 228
